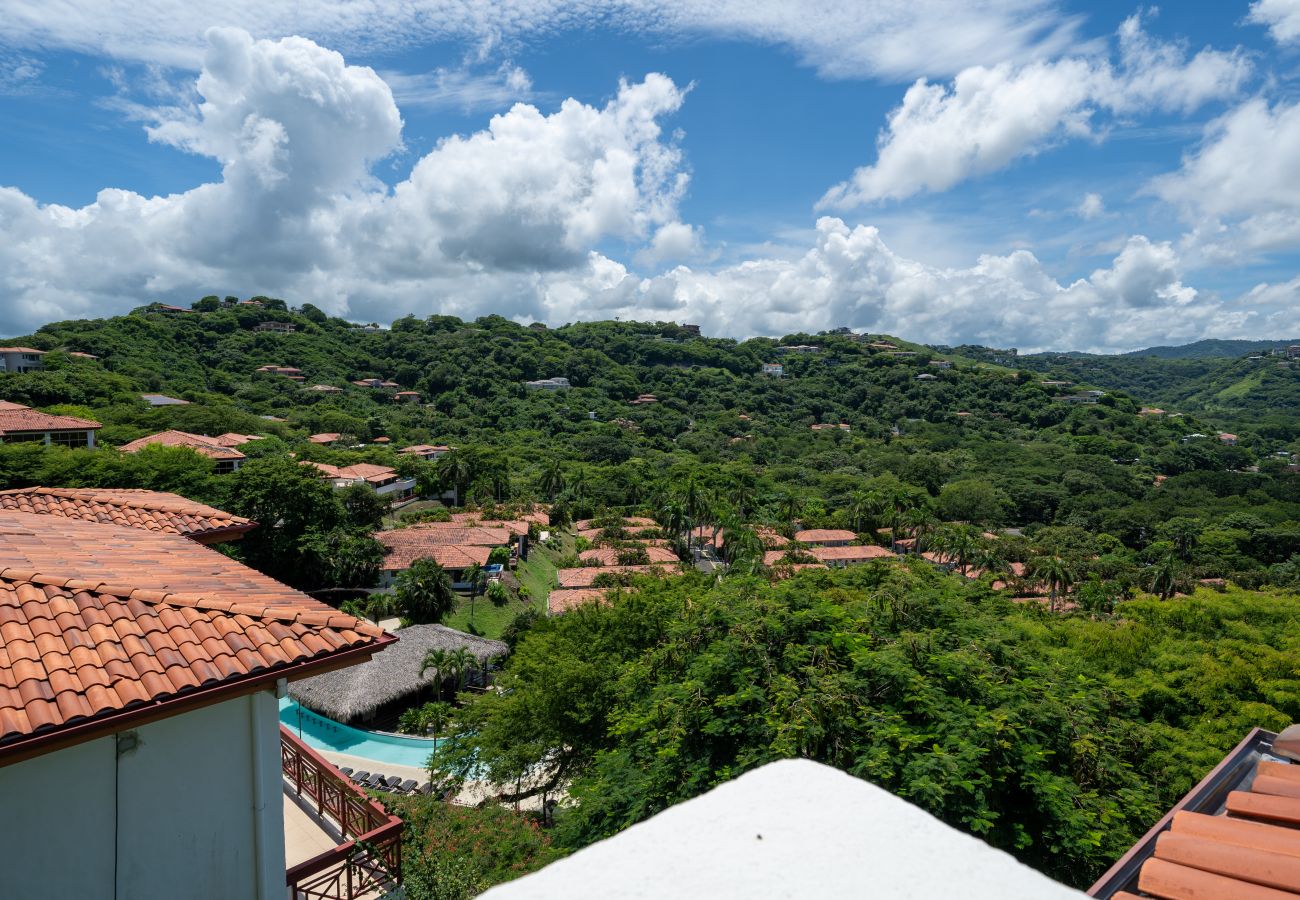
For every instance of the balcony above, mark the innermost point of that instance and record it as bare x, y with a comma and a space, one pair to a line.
366, 861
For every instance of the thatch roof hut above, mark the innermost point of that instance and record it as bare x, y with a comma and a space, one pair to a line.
359, 691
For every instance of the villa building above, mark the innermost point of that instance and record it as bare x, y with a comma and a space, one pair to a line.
383, 480
219, 449
21, 359
140, 747
22, 424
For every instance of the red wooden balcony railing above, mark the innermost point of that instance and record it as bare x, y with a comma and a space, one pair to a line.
369, 861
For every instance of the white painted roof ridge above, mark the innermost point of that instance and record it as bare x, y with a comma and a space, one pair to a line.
790, 829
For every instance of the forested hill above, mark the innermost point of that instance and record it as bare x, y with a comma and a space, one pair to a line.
1254, 388
1212, 349
981, 440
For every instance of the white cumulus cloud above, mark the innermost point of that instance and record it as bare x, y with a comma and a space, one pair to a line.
991, 116
890, 38
1240, 189
1281, 16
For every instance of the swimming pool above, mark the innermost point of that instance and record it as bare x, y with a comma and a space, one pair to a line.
321, 733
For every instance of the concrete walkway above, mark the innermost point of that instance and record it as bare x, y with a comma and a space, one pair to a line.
306, 834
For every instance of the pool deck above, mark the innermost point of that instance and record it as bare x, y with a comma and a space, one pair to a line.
472, 794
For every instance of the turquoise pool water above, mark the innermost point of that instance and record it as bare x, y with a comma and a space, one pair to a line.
321, 733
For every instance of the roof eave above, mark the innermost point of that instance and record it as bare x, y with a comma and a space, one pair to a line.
119, 720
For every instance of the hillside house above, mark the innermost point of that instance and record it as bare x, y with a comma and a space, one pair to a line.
21, 359
325, 437
22, 424
139, 725
383, 480
926, 376
163, 400
220, 450
403, 546
376, 383
280, 327
837, 557
325, 389
776, 370
940, 364
548, 384
644, 400
1229, 440
831, 426
406, 397
798, 348
425, 451
825, 537
290, 372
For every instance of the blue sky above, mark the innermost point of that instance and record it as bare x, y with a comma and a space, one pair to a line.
1047, 175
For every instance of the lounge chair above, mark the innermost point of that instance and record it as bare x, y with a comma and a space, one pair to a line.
406, 786
360, 777
375, 781
346, 770
426, 788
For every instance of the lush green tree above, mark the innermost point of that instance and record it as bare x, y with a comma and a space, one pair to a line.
424, 592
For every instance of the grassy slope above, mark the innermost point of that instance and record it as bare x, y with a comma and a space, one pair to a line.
538, 575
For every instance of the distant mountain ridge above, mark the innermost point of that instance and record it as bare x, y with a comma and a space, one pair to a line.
1212, 348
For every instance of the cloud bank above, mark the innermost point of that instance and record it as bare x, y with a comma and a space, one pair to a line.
519, 219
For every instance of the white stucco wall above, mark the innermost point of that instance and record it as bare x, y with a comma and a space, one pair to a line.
172, 817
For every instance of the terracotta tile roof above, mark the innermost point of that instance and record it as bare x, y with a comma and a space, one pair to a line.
517, 525
358, 472
199, 443
21, 350
864, 552
234, 439
328, 437
773, 557
451, 533
562, 600
14, 417
406, 545
627, 522
1233, 836
608, 556
822, 535
99, 619
425, 448
146, 510
634, 534
583, 576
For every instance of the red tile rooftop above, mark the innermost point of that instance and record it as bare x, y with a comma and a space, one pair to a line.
15, 418
452, 533
823, 535
850, 554
561, 600
583, 576
199, 443
405, 545
328, 437
146, 510
101, 619
608, 556
1232, 837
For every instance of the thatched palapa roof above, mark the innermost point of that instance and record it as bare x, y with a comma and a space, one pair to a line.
354, 691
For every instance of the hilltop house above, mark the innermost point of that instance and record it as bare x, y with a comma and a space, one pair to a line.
140, 747
425, 451
221, 450
22, 424
558, 383
21, 359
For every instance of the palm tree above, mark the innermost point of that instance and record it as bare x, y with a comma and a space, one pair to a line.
552, 481
455, 470
424, 592
439, 660
1162, 577
743, 493
382, 606
474, 575
1057, 572
674, 517
919, 524
791, 506
461, 662
958, 544
860, 511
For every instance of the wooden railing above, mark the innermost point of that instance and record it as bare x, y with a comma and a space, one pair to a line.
369, 861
